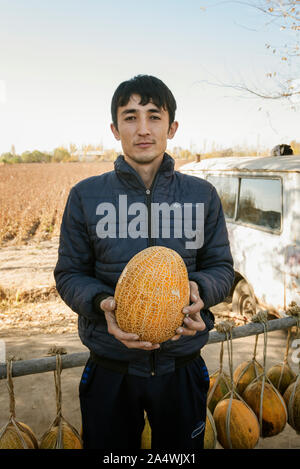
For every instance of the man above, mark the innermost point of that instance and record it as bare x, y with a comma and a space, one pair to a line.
125, 376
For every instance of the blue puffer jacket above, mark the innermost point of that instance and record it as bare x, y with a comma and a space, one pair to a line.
89, 265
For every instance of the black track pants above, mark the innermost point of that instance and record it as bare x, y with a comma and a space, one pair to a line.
112, 407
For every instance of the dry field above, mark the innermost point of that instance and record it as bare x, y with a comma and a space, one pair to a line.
33, 196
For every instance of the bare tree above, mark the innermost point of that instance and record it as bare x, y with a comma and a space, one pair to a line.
286, 15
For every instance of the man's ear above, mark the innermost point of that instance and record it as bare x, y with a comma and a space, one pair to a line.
172, 130
115, 132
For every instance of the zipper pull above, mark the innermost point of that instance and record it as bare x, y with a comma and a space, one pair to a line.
148, 192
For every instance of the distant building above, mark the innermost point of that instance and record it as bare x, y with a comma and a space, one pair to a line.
91, 155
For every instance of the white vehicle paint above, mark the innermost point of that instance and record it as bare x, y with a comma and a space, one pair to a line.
261, 202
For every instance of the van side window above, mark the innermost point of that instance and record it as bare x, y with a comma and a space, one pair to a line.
260, 202
227, 188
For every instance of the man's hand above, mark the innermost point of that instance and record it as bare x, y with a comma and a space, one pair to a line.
193, 321
129, 340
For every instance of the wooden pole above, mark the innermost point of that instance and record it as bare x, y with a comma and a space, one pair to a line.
42, 365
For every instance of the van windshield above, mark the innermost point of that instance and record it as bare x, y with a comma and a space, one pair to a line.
260, 202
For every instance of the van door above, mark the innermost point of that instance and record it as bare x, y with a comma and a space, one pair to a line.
255, 233
291, 266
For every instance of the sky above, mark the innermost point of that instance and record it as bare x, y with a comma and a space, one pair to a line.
61, 61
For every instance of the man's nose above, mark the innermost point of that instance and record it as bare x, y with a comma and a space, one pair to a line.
143, 127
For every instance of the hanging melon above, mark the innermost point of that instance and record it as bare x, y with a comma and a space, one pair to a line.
247, 371
150, 294
61, 434
210, 435
268, 405
15, 434
237, 426
281, 375
219, 381
292, 400
219, 387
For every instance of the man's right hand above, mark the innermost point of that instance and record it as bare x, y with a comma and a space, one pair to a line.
128, 339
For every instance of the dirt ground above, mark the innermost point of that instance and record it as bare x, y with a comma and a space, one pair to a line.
33, 319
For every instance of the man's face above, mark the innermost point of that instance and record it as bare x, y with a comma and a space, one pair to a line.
143, 130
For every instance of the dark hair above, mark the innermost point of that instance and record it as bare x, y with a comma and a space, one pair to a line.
149, 88
282, 149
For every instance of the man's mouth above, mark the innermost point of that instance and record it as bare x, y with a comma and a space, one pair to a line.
144, 144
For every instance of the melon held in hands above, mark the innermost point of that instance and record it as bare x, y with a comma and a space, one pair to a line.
151, 293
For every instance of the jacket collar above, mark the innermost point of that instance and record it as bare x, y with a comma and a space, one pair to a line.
128, 174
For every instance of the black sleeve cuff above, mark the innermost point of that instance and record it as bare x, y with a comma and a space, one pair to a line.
208, 318
97, 300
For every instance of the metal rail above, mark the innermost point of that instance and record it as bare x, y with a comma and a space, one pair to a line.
42, 365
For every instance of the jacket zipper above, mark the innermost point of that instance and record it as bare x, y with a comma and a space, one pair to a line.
151, 243
149, 192
148, 202
152, 359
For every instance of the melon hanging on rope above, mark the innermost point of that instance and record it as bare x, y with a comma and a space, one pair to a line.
151, 293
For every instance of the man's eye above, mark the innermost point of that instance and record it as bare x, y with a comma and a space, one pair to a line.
155, 117
129, 118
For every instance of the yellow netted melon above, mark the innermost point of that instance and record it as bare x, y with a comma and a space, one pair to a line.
292, 400
281, 376
245, 373
219, 386
65, 437
274, 413
146, 435
210, 435
17, 435
150, 294
237, 425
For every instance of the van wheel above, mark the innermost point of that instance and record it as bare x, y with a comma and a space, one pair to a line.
243, 300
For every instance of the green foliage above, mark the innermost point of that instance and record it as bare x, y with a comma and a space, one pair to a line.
9, 157
35, 156
61, 154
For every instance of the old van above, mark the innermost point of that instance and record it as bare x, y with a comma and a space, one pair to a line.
261, 202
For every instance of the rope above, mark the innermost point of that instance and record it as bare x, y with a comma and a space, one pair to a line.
226, 328
255, 347
262, 317
253, 362
220, 327
10, 387
12, 404
59, 419
57, 381
285, 359
57, 351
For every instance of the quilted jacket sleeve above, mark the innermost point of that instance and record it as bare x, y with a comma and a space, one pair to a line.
215, 273
74, 271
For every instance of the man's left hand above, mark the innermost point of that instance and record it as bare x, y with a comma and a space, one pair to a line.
193, 322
